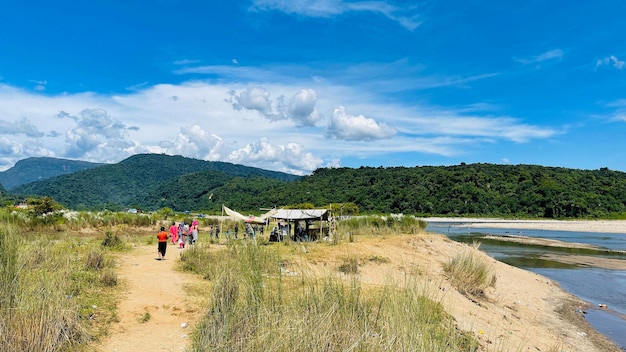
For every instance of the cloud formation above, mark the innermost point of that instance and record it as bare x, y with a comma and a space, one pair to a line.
356, 128
95, 133
403, 15
550, 55
20, 127
275, 126
291, 158
611, 60
300, 108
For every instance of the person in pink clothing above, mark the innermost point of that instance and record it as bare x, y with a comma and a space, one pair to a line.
174, 233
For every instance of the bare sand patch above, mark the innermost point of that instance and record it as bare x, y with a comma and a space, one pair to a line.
601, 226
160, 305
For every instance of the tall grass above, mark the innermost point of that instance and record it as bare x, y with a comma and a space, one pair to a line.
255, 306
74, 220
470, 271
380, 225
49, 292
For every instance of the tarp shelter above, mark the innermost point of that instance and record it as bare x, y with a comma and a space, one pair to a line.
249, 219
309, 231
301, 214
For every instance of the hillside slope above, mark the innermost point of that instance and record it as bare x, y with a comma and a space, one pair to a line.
124, 184
39, 169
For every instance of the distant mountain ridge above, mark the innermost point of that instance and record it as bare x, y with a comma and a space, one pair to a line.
151, 182
128, 182
41, 168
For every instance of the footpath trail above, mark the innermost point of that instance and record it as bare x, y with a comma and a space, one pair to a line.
160, 305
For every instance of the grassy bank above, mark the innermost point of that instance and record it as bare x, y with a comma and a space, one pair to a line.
257, 303
57, 293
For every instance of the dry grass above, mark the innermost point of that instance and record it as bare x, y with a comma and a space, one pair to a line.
257, 304
54, 294
470, 271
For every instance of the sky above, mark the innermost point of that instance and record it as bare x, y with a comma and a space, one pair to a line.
297, 85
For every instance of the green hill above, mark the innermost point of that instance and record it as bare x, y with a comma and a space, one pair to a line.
152, 182
128, 182
38, 169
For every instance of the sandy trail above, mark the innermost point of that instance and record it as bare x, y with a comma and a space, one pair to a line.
160, 305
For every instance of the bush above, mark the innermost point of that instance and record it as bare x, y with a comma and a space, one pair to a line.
95, 259
470, 271
111, 240
109, 277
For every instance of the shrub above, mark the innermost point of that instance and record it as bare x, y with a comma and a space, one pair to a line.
111, 240
349, 266
95, 259
470, 271
109, 277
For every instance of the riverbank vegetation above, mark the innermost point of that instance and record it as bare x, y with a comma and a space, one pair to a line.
261, 300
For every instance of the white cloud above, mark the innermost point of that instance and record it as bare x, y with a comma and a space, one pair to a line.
438, 123
20, 127
241, 123
197, 143
39, 85
555, 54
356, 128
291, 157
95, 129
611, 61
300, 108
405, 16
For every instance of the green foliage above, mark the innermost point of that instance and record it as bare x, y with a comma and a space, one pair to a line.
8, 268
140, 181
41, 168
165, 182
42, 206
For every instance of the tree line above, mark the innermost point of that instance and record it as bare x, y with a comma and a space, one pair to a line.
460, 190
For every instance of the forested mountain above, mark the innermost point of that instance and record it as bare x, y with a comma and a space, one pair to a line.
475, 189
482, 189
121, 185
38, 169
155, 181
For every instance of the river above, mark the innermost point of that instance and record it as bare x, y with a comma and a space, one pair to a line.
594, 285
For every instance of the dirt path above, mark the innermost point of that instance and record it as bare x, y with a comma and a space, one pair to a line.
160, 306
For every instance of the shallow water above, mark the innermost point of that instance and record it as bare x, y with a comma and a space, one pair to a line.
596, 286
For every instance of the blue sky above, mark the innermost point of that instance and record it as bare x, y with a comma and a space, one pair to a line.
295, 85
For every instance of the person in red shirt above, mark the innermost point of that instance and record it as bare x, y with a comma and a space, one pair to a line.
162, 237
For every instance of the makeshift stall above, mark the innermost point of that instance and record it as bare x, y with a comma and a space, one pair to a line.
300, 224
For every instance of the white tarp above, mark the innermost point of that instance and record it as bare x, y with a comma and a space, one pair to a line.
238, 216
301, 214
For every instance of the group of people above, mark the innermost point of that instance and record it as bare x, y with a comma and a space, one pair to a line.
180, 235
250, 230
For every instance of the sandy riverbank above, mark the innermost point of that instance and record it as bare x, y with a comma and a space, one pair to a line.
602, 226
